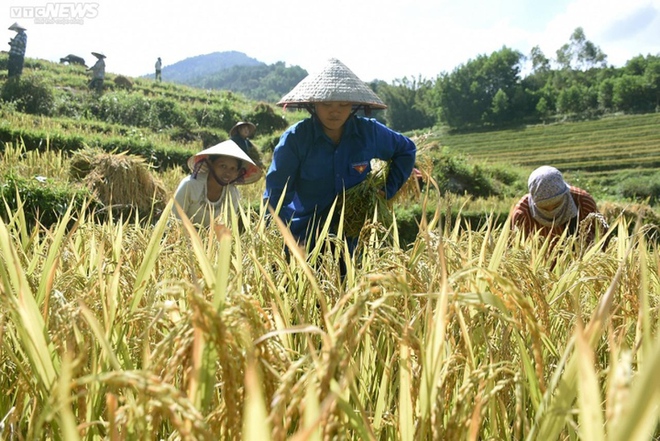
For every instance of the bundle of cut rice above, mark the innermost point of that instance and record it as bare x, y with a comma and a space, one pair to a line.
362, 199
118, 179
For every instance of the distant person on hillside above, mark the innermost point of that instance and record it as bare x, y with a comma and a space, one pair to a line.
216, 171
17, 47
320, 157
241, 134
552, 206
159, 65
98, 72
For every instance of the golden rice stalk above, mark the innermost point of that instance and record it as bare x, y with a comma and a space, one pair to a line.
362, 199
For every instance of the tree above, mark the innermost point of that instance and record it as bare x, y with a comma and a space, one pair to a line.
466, 95
630, 94
606, 94
570, 101
501, 107
542, 108
652, 79
580, 53
407, 102
540, 63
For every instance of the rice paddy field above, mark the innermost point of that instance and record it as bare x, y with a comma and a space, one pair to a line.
119, 330
595, 148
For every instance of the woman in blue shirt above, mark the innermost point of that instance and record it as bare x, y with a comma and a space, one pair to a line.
331, 151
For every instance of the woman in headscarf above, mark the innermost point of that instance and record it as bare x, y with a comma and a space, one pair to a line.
551, 205
216, 171
319, 157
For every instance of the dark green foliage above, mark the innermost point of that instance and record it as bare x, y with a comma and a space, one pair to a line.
161, 156
455, 174
258, 82
266, 120
465, 97
641, 188
270, 144
217, 116
571, 100
408, 218
630, 94
170, 114
206, 137
133, 109
488, 92
30, 93
43, 202
408, 102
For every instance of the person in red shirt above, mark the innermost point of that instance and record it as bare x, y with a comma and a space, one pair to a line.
552, 205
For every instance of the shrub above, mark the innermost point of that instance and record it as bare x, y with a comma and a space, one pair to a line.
170, 114
125, 108
30, 93
266, 120
455, 174
217, 116
641, 188
207, 136
270, 144
42, 202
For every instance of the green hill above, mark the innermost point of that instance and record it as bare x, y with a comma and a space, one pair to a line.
188, 70
236, 72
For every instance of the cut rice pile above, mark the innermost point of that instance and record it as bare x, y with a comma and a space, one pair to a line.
118, 179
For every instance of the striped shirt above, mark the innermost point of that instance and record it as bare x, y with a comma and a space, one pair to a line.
17, 44
521, 216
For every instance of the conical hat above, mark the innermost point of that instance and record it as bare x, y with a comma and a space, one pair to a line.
228, 148
98, 54
234, 129
16, 27
335, 82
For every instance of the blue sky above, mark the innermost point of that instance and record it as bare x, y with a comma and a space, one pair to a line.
383, 39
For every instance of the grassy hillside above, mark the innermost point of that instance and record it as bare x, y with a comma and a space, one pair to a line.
163, 122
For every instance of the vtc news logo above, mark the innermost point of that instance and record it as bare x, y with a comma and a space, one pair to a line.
60, 13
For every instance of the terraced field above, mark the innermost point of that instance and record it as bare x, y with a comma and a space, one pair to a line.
614, 143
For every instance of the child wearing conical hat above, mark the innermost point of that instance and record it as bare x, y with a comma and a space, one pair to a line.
212, 185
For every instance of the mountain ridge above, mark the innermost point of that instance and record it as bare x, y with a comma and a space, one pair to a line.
186, 70
236, 72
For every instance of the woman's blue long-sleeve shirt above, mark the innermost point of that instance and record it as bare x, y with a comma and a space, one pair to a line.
314, 170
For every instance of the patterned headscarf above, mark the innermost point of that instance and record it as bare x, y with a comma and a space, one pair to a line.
546, 184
